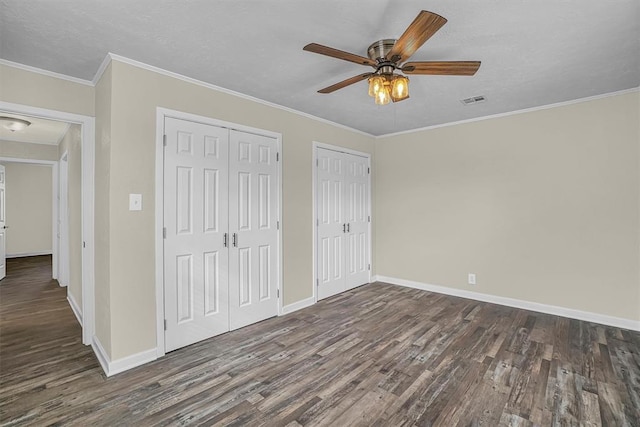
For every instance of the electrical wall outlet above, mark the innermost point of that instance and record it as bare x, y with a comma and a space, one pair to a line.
472, 279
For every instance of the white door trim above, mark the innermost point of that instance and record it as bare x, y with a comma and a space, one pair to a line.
314, 182
54, 217
62, 245
3, 222
87, 125
161, 114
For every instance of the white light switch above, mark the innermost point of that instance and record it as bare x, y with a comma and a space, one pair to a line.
135, 202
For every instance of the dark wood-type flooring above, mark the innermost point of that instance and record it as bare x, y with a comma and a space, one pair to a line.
379, 355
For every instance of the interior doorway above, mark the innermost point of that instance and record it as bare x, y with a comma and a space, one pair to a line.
85, 125
30, 208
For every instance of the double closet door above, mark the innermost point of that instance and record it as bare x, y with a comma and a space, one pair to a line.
221, 224
342, 220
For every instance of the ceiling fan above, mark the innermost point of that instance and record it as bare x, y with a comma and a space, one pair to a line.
388, 56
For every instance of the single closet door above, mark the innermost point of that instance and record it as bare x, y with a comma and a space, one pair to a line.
357, 219
342, 221
330, 222
196, 221
253, 224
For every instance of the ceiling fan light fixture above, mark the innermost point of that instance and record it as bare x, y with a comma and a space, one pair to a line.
14, 124
376, 83
388, 87
399, 88
383, 96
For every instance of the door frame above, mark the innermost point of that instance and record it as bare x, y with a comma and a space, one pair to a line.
161, 114
64, 267
87, 125
314, 168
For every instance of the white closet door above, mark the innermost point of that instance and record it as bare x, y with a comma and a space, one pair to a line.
330, 222
342, 203
253, 201
357, 219
196, 220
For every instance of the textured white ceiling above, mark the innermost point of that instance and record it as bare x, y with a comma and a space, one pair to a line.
40, 131
533, 52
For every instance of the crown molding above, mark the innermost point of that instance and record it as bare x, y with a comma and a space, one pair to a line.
46, 144
45, 72
113, 57
31, 161
512, 113
101, 69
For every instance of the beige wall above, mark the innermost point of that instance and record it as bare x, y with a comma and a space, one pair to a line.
102, 212
135, 95
37, 90
28, 208
543, 206
72, 145
23, 150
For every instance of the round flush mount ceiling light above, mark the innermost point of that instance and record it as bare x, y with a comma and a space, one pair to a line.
14, 124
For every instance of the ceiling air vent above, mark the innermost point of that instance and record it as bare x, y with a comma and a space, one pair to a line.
473, 100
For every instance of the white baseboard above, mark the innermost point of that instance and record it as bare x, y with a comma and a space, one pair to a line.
512, 302
120, 365
307, 302
74, 307
26, 254
101, 354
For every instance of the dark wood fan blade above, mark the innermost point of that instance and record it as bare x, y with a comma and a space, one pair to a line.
421, 29
345, 83
340, 54
442, 68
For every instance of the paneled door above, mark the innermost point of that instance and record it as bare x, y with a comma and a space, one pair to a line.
357, 219
342, 221
253, 224
330, 222
3, 227
196, 256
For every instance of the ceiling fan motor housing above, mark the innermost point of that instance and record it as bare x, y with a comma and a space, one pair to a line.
378, 52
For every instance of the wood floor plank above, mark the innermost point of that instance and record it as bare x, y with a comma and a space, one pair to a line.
378, 355
485, 409
538, 403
